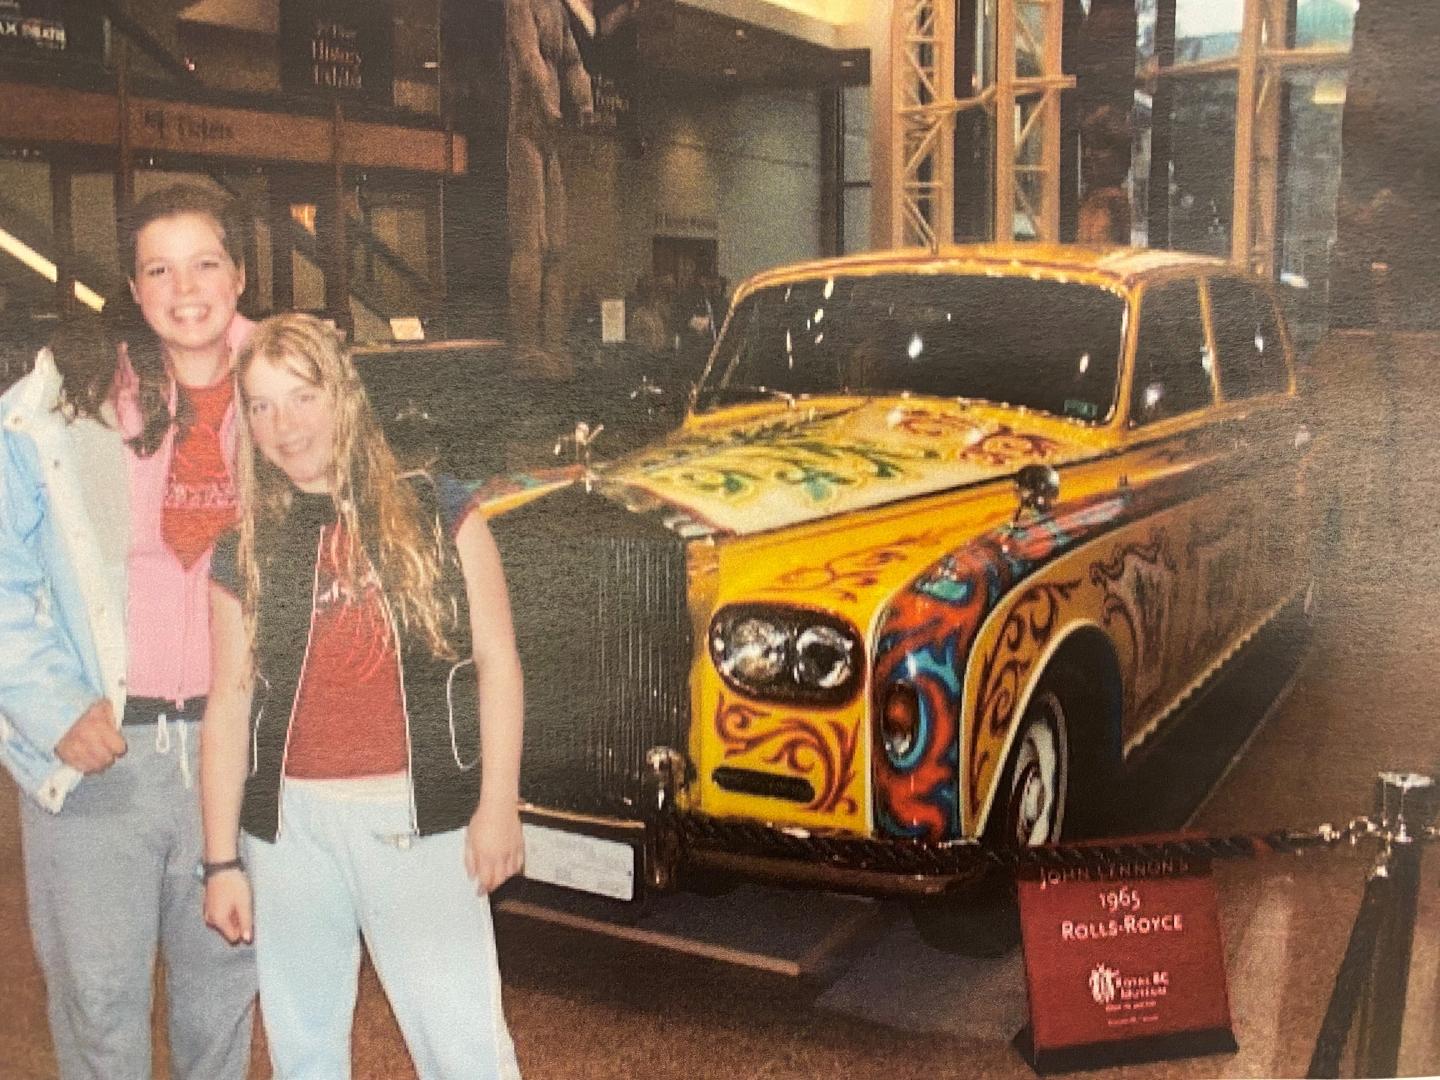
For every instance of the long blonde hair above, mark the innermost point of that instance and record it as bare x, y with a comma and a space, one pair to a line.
373, 503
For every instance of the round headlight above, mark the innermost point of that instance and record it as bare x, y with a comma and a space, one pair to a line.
823, 657
753, 651
778, 652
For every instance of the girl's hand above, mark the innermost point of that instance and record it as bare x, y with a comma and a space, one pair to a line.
494, 844
228, 907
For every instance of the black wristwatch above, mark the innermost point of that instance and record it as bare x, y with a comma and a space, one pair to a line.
206, 870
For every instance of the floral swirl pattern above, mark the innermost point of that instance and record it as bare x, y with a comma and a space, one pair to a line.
988, 443
1005, 446
1135, 605
746, 473
817, 468
924, 637
853, 570
1027, 630
801, 745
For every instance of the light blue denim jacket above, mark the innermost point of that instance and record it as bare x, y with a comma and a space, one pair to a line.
64, 534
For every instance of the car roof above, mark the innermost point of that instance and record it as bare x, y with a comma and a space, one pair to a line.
1114, 267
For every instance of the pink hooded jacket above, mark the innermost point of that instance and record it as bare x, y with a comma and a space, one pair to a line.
167, 620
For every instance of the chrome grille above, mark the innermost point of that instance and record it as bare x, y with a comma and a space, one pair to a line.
598, 596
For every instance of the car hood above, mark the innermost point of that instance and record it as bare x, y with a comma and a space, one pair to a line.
781, 465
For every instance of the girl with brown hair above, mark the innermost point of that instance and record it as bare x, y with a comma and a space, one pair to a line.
115, 454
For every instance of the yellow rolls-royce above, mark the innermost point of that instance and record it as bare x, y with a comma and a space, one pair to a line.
944, 538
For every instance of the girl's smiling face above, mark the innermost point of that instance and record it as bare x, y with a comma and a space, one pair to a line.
292, 421
185, 282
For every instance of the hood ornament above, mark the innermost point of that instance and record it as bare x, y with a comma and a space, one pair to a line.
580, 441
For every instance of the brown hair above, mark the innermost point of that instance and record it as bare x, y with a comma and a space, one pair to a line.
144, 348
171, 201
83, 345
373, 502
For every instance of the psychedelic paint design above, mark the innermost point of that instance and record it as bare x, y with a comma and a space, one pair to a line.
922, 639
883, 545
798, 463
822, 750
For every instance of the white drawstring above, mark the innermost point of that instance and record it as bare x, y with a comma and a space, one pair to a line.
185, 757
162, 745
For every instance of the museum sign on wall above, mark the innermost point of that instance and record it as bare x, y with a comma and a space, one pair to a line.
328, 46
41, 29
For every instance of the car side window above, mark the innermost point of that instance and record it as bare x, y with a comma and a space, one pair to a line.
1247, 339
1172, 360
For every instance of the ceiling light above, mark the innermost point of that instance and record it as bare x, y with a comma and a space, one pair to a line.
32, 259
731, 72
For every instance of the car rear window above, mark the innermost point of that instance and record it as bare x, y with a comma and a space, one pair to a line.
1047, 345
1247, 338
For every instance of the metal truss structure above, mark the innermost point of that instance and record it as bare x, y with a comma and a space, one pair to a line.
1028, 81
1261, 66
923, 92
1019, 86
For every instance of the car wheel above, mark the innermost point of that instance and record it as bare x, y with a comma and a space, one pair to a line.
1033, 806
982, 923
1035, 783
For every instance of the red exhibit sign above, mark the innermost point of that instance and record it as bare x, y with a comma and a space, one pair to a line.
1123, 963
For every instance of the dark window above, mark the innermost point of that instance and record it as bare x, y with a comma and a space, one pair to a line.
1247, 339
1048, 345
1172, 363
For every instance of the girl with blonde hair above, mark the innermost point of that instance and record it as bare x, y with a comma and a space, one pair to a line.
341, 773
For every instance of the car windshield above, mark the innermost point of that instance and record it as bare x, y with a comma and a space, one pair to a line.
1047, 345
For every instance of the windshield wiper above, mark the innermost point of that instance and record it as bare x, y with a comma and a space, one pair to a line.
744, 392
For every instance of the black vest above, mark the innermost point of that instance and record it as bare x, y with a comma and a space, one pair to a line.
440, 699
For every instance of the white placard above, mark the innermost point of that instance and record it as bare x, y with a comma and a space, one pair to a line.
612, 321
588, 863
407, 328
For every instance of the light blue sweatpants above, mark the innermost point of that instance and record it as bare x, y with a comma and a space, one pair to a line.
110, 878
345, 865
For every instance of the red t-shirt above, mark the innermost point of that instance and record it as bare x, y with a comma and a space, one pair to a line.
349, 712
199, 492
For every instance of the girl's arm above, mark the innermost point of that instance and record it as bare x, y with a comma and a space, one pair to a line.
495, 845
224, 762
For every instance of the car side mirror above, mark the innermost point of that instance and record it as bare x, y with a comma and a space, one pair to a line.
1037, 487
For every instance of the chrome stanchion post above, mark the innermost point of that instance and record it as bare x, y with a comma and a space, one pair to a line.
1406, 805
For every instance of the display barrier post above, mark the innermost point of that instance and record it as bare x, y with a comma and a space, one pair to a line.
1376, 967
1407, 802
1082, 955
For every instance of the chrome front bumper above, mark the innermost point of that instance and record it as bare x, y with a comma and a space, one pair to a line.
665, 842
